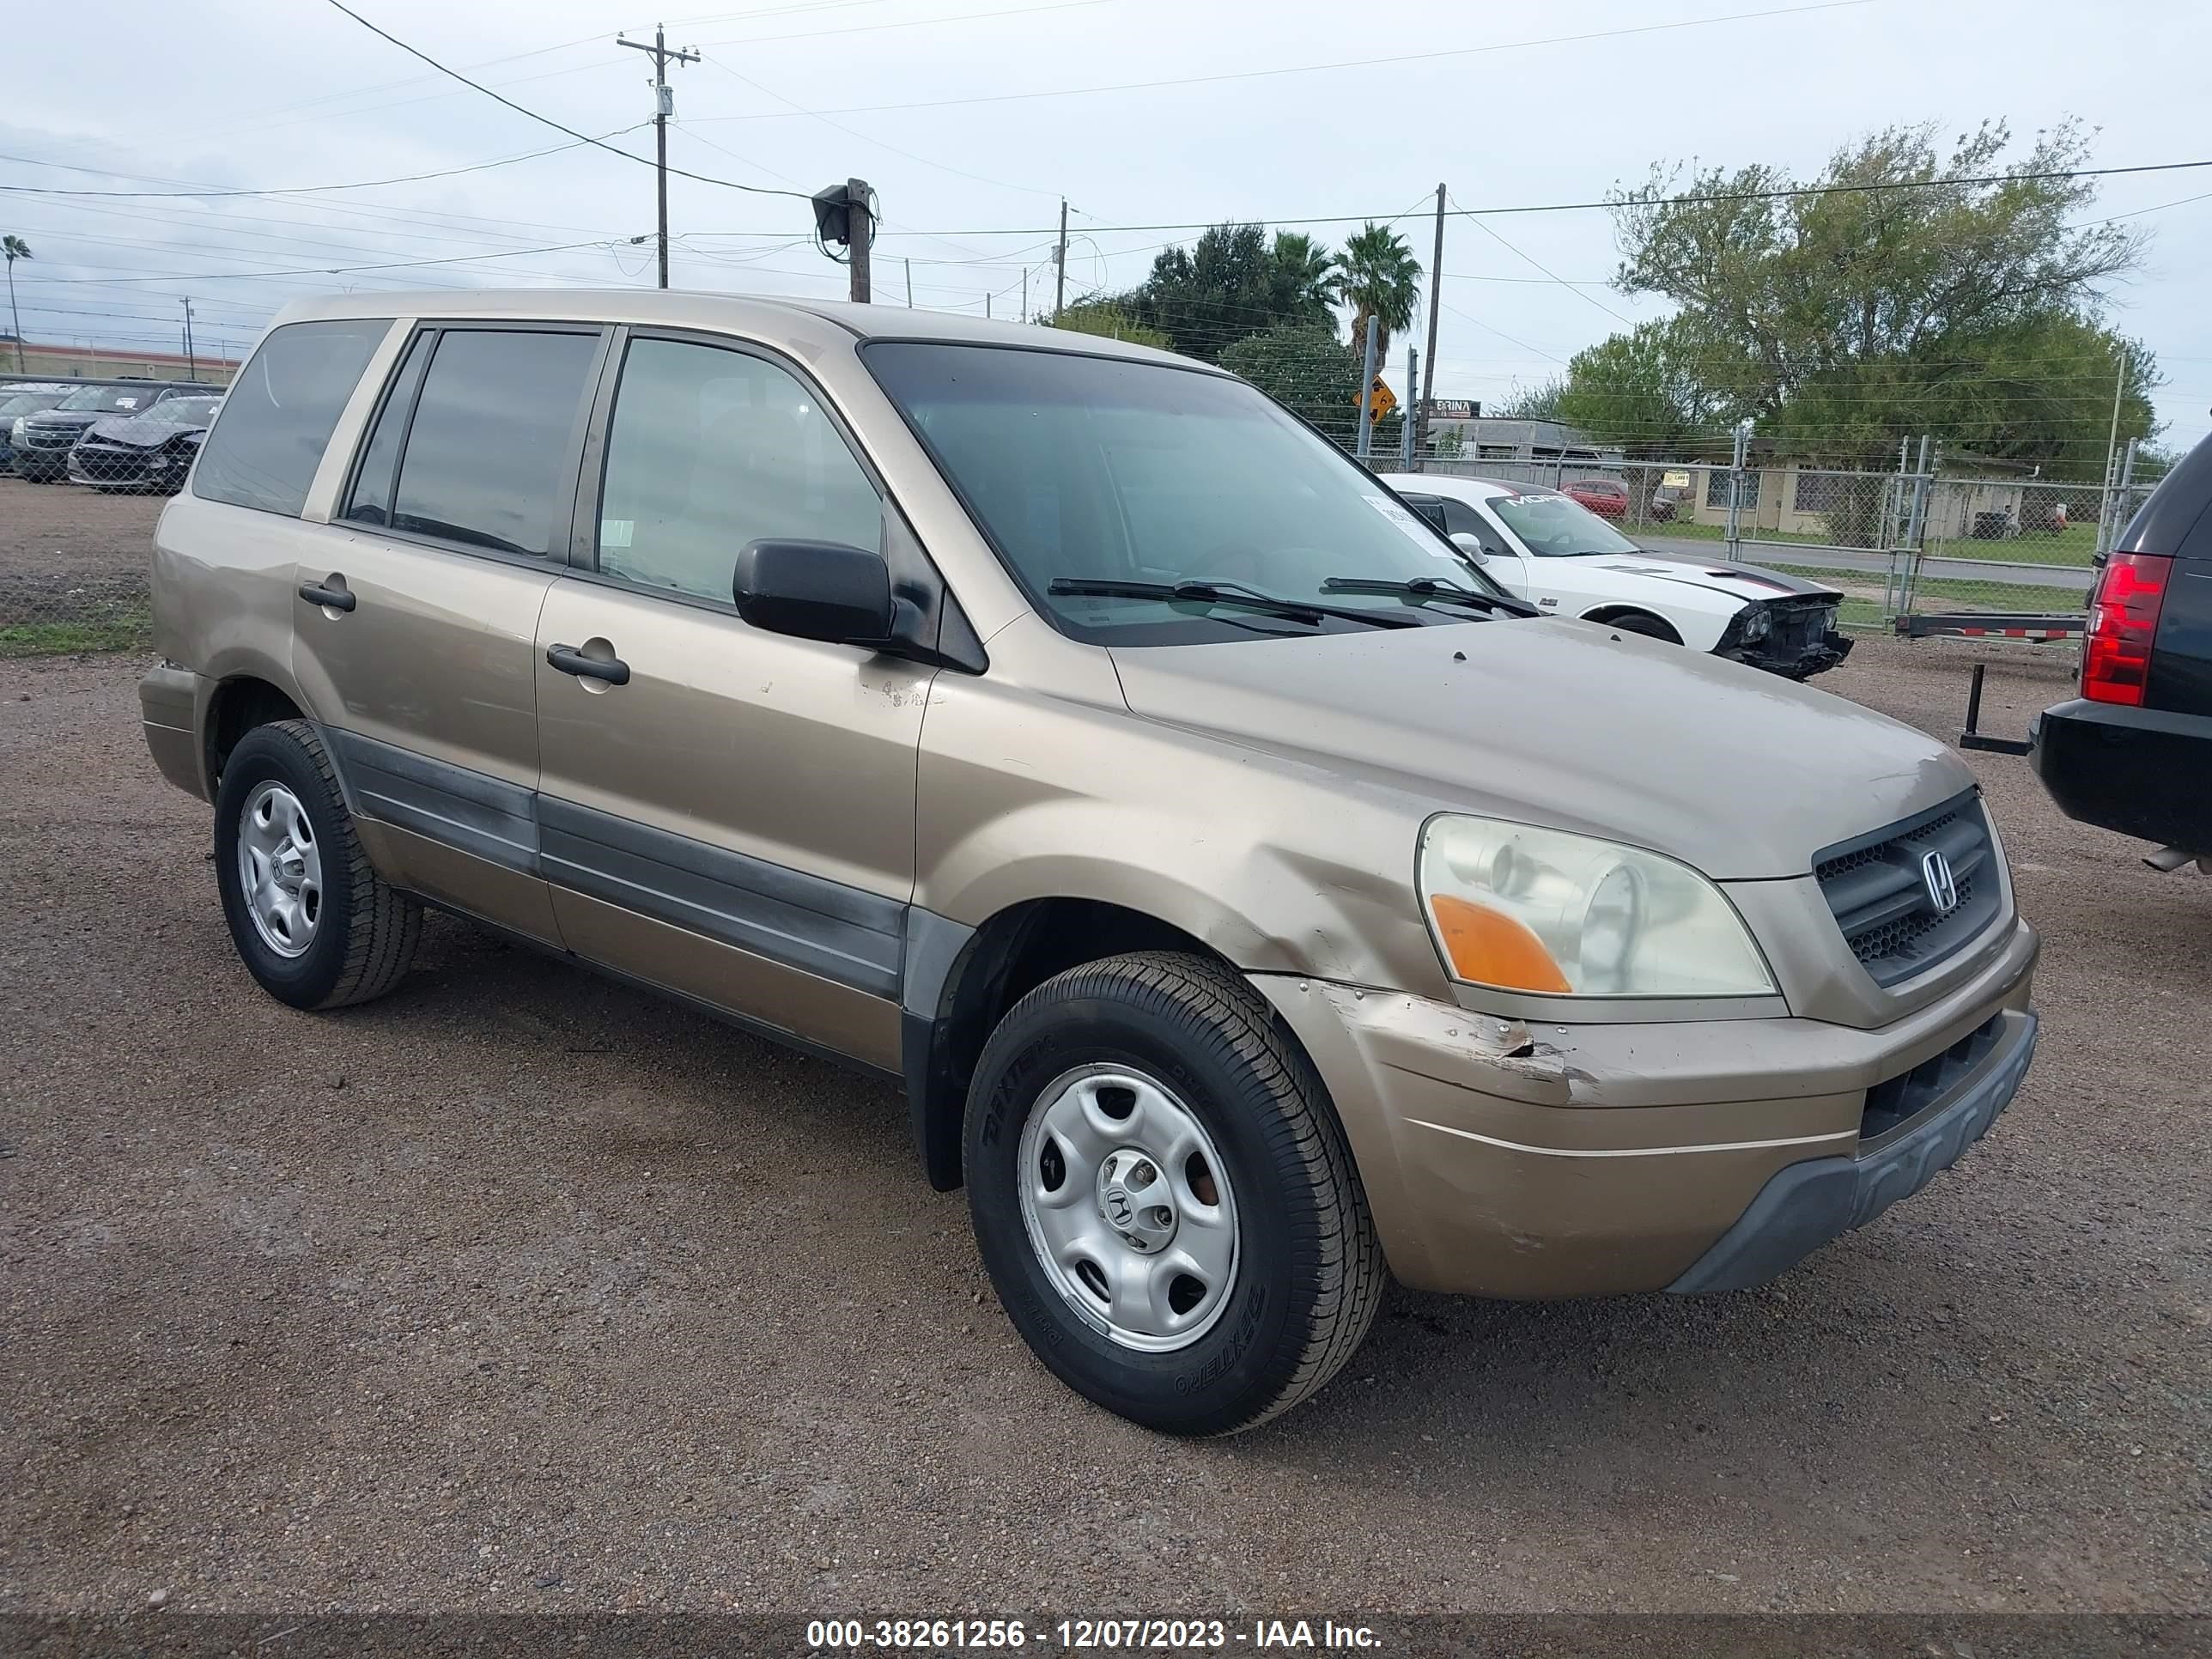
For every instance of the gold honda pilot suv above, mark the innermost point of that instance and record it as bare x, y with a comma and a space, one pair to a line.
1249, 895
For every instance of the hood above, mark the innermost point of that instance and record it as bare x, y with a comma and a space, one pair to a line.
1741, 774
140, 431
55, 419
1741, 583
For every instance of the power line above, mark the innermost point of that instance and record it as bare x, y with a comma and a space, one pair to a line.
336, 271
1571, 287
547, 120
294, 190
1607, 202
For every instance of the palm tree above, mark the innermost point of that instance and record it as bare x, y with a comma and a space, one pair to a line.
1301, 274
15, 248
1378, 277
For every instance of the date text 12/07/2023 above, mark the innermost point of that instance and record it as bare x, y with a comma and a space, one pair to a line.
1082, 1635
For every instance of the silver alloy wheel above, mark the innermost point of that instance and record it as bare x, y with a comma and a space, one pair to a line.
280, 869
1128, 1207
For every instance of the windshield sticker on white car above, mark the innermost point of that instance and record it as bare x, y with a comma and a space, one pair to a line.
1412, 525
616, 533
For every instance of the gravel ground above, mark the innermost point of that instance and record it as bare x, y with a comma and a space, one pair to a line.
518, 1290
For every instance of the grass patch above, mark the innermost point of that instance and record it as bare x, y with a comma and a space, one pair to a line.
68, 639
2075, 545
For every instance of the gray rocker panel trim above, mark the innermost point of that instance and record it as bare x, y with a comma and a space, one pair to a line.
477, 813
845, 934
842, 933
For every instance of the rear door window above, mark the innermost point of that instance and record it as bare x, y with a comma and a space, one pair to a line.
278, 416
490, 452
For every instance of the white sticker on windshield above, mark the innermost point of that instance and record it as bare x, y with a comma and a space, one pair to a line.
616, 533
1413, 526
126, 403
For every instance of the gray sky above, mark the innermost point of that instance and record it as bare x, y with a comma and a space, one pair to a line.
972, 118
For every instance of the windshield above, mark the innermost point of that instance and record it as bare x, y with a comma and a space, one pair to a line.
111, 399
184, 411
1553, 527
1099, 469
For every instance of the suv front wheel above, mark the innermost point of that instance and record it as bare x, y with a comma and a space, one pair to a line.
1163, 1198
312, 921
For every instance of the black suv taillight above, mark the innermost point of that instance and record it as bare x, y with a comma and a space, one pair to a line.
2122, 621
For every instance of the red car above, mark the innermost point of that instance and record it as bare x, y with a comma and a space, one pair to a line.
1602, 496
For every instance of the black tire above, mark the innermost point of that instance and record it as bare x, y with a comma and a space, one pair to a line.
1311, 1272
365, 932
1650, 627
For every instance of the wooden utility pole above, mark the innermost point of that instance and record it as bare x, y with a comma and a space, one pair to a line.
910, 285
664, 105
1060, 267
860, 226
192, 357
1428, 392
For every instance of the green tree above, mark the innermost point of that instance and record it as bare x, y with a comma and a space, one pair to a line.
1302, 275
1111, 319
1314, 375
1232, 282
1639, 390
1378, 277
1844, 322
14, 247
1540, 402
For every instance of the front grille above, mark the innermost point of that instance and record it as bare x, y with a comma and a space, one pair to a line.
1877, 887
46, 437
1891, 1103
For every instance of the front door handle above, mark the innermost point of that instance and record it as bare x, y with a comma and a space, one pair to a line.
332, 598
569, 661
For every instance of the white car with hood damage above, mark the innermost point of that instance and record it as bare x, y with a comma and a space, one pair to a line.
1561, 557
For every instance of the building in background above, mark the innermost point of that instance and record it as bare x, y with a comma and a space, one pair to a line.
1459, 430
72, 363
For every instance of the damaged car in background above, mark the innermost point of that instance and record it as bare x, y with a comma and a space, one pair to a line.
1549, 548
152, 450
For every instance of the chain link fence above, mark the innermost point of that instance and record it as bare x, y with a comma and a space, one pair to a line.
75, 568
1900, 544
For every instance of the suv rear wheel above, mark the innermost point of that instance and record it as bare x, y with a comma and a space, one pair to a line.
311, 919
1163, 1198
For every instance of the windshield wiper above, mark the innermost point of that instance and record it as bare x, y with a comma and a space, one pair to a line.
1200, 592
1428, 589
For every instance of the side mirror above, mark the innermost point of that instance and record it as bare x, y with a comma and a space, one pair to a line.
1471, 544
815, 590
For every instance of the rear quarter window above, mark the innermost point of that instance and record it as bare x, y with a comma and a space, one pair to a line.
278, 415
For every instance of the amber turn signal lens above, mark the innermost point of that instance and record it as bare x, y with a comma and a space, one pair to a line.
1488, 947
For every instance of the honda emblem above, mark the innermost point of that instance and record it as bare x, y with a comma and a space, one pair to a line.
1942, 886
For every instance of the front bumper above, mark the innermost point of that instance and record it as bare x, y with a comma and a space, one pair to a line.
2138, 771
1615, 1158
1799, 663
1809, 1203
111, 467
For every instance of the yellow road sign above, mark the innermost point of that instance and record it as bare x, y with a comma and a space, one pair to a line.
1381, 401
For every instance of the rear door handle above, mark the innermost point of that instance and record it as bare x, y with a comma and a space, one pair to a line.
337, 599
569, 661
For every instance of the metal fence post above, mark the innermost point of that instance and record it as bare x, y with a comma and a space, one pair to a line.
1366, 446
1735, 490
1410, 418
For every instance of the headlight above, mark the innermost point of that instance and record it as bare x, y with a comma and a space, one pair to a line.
1757, 624
15, 432
1520, 909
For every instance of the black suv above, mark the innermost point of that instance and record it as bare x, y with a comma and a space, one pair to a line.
2134, 751
42, 446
